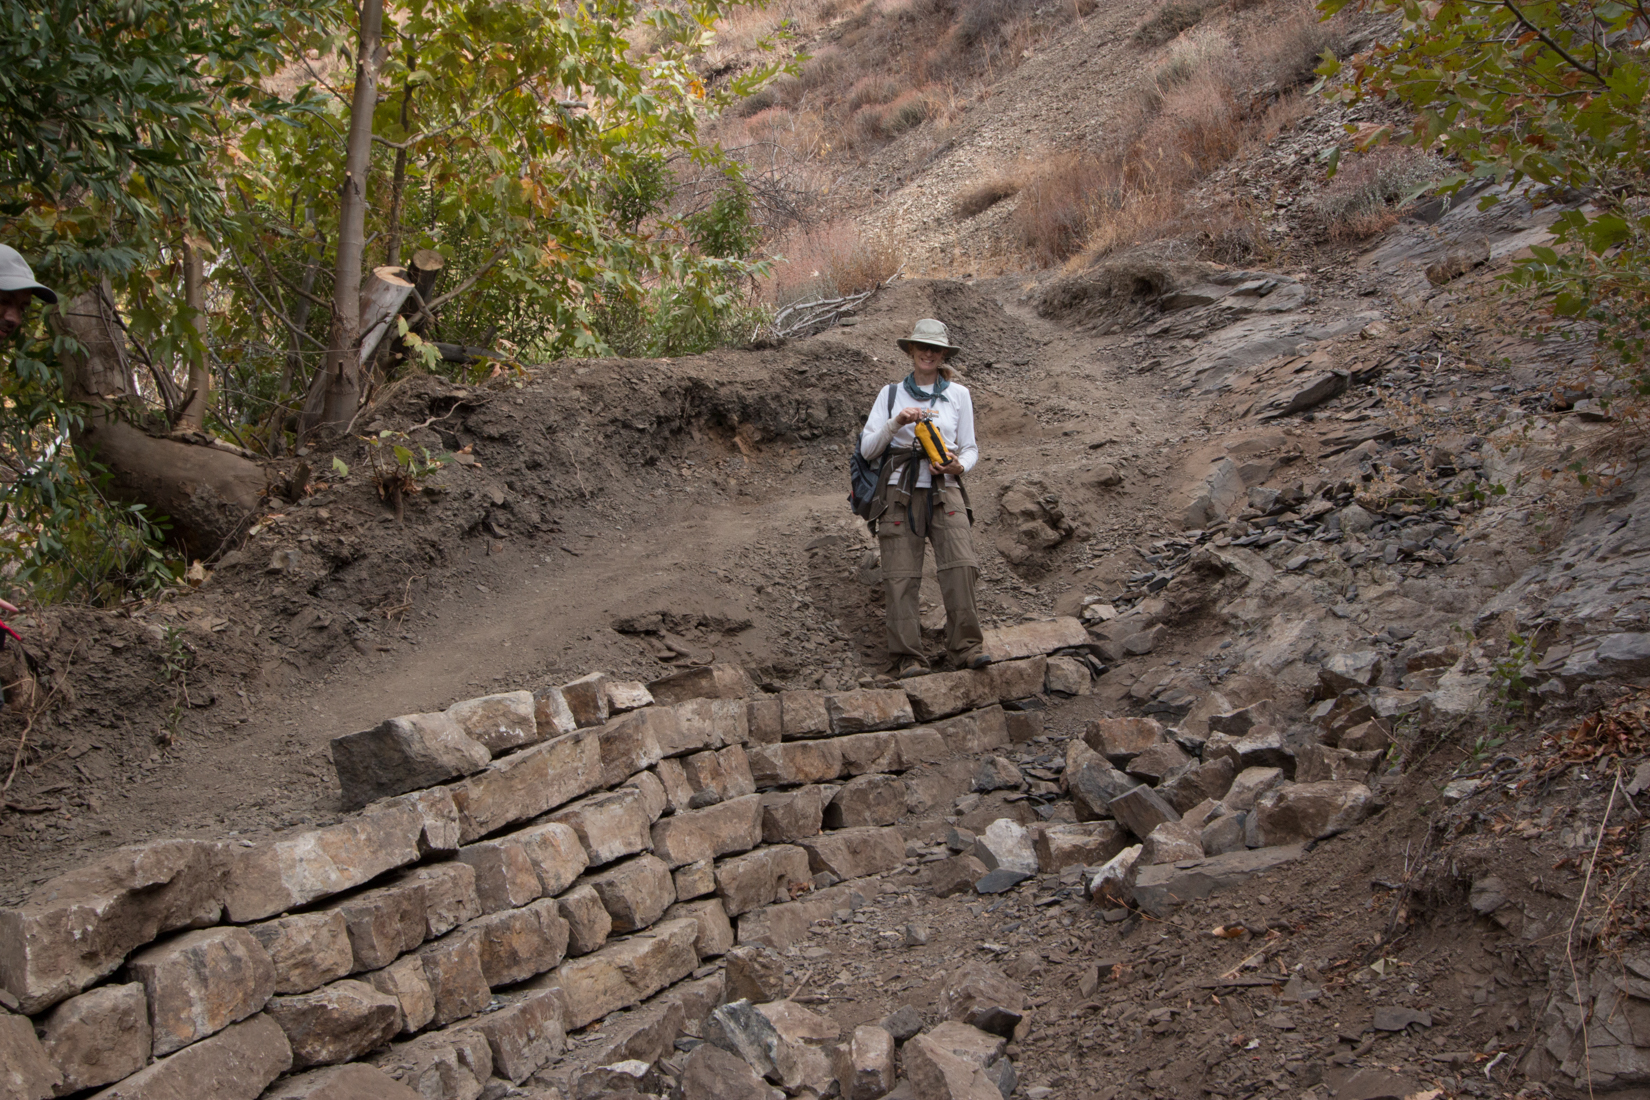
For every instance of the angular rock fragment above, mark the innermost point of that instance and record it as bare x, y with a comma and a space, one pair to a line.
1068, 676
793, 763
1172, 841
551, 714
866, 710
1224, 834
237, 1063
715, 681
1160, 888
695, 880
1239, 722
628, 971
1157, 762
712, 1073
955, 875
635, 893
404, 979
588, 924
1296, 812
1092, 782
654, 797
763, 719
1198, 782
1120, 740
715, 930
201, 982
998, 774
587, 699
943, 694
452, 965
451, 1065
1113, 883
526, 1034
517, 944
866, 753
356, 1081
306, 949
968, 1042
758, 878
94, 1039
717, 776
865, 1063
623, 695
1141, 810
937, 1074
1349, 672
505, 877
854, 853
450, 897
866, 800
336, 1023
719, 830
276, 875
801, 1060
1085, 845
404, 754
385, 923
26, 1073
610, 826
1012, 643
1249, 785
982, 996
1006, 845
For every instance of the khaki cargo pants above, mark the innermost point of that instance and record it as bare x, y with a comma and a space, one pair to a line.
954, 560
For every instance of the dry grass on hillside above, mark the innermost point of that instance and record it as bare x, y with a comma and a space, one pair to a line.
1209, 99
828, 260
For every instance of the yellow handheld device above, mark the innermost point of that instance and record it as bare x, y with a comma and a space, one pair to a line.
933, 443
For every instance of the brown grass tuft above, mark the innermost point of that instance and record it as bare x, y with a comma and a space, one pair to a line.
977, 200
829, 260
1170, 20
1367, 196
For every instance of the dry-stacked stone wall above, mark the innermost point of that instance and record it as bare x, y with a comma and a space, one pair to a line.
514, 868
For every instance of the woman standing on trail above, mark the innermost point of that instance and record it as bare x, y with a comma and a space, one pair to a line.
919, 501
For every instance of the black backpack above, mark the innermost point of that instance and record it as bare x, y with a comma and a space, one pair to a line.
863, 474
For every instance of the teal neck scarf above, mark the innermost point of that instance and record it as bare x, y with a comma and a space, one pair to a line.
936, 394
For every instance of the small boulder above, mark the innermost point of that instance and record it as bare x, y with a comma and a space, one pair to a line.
982, 996
1310, 811
1170, 842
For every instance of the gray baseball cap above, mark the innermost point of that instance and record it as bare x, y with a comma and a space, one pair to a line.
15, 275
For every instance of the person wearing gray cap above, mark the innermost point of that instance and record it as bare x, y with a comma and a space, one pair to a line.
17, 289
920, 500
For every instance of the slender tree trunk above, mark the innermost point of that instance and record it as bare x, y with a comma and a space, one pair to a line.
398, 182
193, 417
335, 393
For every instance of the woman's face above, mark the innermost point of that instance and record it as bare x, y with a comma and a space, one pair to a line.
927, 359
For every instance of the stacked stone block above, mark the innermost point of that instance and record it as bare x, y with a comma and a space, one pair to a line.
516, 866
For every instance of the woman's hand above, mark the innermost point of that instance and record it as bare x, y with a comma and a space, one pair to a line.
910, 415
954, 467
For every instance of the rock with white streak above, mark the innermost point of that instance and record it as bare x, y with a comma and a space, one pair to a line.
1007, 845
501, 723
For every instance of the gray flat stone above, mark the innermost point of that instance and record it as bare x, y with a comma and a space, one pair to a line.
1158, 889
996, 882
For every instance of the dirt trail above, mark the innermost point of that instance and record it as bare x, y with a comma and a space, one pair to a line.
715, 539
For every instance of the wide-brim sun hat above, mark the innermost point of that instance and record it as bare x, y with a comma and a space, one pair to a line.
930, 333
16, 275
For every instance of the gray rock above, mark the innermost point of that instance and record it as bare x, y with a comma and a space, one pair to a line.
1006, 845
1000, 881
1224, 834
404, 754
1397, 1018
1488, 894
1003, 1076
737, 1027
1158, 889
1158, 762
998, 774
1142, 810
1350, 672
904, 1023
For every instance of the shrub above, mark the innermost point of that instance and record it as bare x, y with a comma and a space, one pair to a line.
873, 91
977, 200
1168, 21
1366, 197
906, 113
1290, 50
1056, 207
829, 260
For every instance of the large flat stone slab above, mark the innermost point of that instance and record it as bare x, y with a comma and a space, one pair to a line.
1159, 889
628, 971
1010, 643
201, 982
80, 926
528, 783
238, 1063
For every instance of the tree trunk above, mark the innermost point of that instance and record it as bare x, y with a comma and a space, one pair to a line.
193, 416
206, 493
335, 393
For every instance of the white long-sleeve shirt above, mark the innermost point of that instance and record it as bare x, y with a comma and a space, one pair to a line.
953, 415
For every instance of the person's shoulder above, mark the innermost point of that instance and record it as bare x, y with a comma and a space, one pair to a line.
960, 390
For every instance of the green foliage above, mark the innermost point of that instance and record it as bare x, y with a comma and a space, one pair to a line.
1550, 95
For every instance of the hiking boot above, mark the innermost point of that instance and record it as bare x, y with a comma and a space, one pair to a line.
979, 660
907, 667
